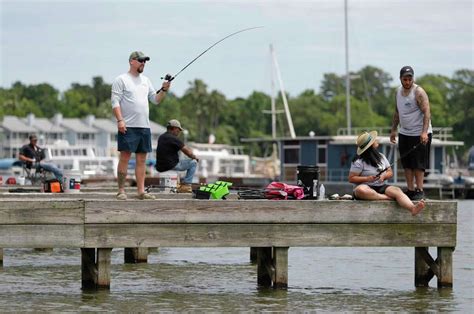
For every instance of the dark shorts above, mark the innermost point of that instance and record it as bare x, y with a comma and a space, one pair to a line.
379, 189
135, 140
418, 158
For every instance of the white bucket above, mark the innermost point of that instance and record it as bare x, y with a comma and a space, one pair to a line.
72, 181
168, 180
20, 180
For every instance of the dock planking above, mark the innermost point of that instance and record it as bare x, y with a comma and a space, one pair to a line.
270, 227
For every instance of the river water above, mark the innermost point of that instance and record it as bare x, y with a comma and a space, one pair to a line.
223, 280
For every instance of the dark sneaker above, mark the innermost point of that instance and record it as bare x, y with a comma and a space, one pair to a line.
418, 195
410, 194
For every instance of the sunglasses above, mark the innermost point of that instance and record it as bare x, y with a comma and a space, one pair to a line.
141, 60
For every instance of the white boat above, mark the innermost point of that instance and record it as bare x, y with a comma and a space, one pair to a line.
220, 160
81, 157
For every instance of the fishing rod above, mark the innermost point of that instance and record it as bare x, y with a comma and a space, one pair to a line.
401, 157
169, 77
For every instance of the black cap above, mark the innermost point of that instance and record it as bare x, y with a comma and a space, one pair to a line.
407, 70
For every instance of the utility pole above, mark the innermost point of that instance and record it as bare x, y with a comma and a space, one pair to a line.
348, 79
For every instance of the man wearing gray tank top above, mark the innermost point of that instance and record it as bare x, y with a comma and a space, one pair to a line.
412, 113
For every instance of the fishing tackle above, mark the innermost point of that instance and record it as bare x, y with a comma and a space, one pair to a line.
169, 77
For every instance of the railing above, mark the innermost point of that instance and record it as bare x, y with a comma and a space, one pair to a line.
442, 133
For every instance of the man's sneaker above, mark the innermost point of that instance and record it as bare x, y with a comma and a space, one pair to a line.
419, 195
185, 188
146, 196
410, 194
121, 196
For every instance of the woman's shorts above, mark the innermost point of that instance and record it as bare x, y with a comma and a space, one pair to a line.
135, 140
379, 189
418, 158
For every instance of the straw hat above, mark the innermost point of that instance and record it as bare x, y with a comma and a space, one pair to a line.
365, 140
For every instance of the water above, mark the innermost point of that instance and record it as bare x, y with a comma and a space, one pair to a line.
223, 280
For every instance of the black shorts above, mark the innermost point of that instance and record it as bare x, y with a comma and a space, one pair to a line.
418, 158
379, 189
135, 140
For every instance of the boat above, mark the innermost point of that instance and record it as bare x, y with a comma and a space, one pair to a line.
81, 158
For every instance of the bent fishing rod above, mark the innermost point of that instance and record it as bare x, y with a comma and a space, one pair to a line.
169, 77
401, 157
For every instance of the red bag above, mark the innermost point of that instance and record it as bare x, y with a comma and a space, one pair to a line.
283, 191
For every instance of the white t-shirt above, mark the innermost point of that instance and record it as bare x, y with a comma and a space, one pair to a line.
363, 169
132, 94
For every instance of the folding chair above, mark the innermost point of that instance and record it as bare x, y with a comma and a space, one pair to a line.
36, 175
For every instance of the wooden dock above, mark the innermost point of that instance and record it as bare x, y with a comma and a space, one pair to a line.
270, 227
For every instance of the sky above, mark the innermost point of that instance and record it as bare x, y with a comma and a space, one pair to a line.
65, 42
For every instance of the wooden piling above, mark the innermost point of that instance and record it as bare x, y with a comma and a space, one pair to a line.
95, 268
445, 264
88, 269
423, 272
264, 266
135, 255
253, 255
280, 265
1, 257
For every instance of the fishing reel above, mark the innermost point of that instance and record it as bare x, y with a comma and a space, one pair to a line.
168, 77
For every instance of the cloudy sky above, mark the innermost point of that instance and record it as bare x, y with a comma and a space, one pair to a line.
63, 42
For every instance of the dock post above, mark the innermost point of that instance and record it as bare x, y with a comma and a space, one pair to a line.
96, 273
1, 257
445, 263
135, 255
88, 269
280, 263
253, 255
423, 272
264, 266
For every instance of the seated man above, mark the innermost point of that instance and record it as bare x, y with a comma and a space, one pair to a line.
167, 155
32, 155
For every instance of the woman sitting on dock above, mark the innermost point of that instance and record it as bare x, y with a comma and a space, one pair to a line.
370, 169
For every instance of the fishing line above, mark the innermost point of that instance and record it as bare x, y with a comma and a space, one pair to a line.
169, 77
401, 157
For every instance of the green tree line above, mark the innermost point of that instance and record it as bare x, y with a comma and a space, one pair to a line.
204, 112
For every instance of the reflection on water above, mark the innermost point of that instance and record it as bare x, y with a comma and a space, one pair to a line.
222, 279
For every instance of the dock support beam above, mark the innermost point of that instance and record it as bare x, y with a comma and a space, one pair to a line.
135, 255
272, 267
253, 255
95, 268
426, 267
445, 263
1, 257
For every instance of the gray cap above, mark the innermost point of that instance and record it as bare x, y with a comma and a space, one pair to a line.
174, 123
138, 55
407, 70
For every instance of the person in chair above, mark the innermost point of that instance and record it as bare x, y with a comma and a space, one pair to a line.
32, 156
167, 157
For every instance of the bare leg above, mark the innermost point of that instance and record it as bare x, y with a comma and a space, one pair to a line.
419, 176
404, 201
364, 192
140, 170
122, 170
409, 174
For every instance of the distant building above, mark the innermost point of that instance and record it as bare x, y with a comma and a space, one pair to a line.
100, 134
333, 154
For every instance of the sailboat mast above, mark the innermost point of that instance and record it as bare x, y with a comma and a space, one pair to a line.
348, 79
283, 95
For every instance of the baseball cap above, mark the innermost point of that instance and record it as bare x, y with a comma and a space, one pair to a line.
138, 55
174, 123
406, 70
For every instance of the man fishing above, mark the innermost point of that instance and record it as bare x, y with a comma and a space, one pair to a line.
412, 113
131, 93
